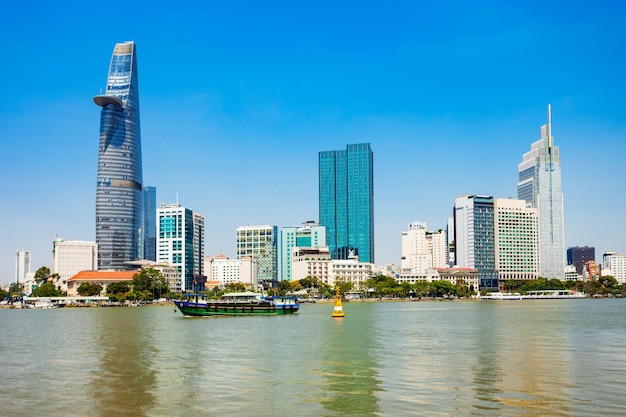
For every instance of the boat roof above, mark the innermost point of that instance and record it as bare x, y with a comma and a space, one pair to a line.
242, 294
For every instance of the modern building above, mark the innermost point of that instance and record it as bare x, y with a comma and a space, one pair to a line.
516, 237
474, 237
180, 243
22, 266
540, 186
579, 255
346, 201
119, 197
69, 257
227, 271
423, 249
498, 237
260, 243
616, 263
149, 223
309, 235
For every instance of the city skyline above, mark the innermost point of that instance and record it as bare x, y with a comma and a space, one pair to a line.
448, 99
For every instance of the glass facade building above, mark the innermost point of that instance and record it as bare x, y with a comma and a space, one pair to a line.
149, 223
119, 197
346, 201
309, 235
180, 244
474, 237
540, 186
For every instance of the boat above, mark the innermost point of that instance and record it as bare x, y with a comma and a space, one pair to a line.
338, 308
237, 304
44, 303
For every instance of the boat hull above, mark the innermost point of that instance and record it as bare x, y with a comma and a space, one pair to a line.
234, 309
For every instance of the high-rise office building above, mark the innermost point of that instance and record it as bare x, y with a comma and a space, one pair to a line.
260, 243
119, 197
474, 237
516, 240
309, 235
346, 201
540, 186
22, 265
149, 223
180, 243
579, 255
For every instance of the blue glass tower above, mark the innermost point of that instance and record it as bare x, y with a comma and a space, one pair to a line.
149, 224
346, 201
119, 197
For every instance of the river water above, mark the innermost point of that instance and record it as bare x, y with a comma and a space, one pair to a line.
467, 358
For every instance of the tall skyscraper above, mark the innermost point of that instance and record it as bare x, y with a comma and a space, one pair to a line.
346, 201
260, 243
309, 235
180, 243
22, 265
540, 186
149, 223
119, 197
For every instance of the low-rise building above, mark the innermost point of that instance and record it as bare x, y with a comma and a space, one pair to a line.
316, 263
225, 271
103, 278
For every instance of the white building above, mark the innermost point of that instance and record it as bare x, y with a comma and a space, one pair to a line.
467, 276
180, 243
309, 235
69, 257
22, 265
516, 240
616, 263
316, 263
422, 249
227, 271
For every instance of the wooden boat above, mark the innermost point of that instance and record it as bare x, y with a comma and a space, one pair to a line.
237, 304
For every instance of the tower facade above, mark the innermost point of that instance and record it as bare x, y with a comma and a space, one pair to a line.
474, 237
309, 235
540, 186
579, 256
119, 197
149, 223
346, 201
260, 243
180, 243
22, 265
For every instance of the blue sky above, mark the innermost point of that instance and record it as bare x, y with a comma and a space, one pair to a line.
238, 98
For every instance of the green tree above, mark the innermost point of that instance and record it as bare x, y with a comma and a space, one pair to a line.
3, 294
236, 287
151, 280
42, 274
89, 289
47, 289
119, 287
16, 288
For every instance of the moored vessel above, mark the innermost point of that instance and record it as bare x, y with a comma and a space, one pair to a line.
237, 304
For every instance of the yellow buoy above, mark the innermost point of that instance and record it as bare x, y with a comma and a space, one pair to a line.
338, 309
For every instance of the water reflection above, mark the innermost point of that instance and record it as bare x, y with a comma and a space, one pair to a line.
123, 384
349, 367
521, 368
